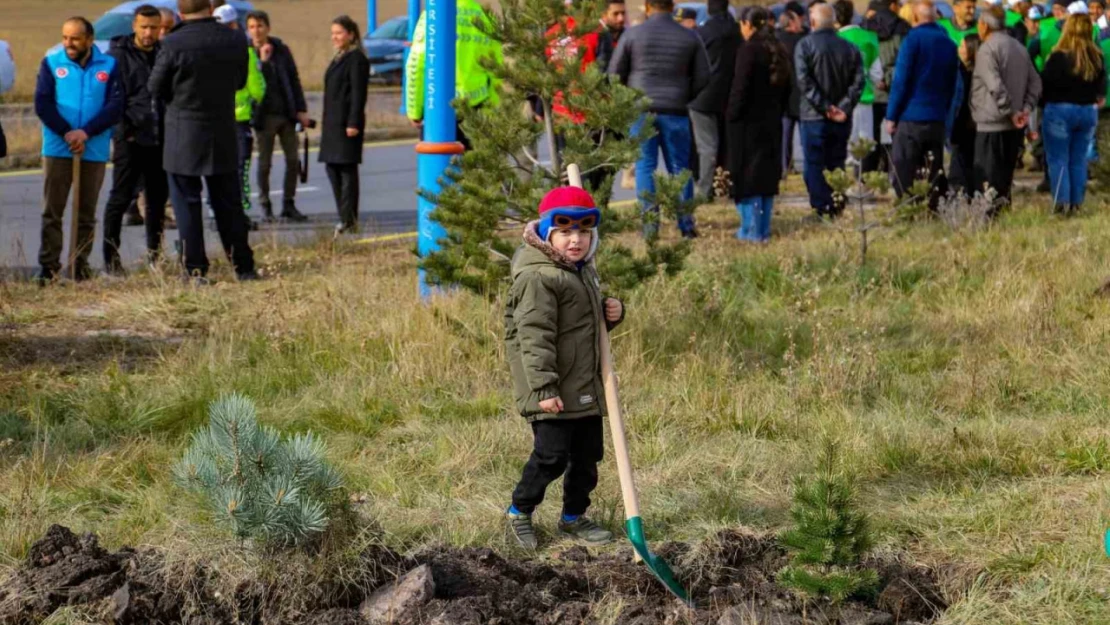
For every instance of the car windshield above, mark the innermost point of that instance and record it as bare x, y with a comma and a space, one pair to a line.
112, 25
396, 28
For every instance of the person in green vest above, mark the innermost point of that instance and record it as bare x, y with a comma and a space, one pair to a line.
867, 43
474, 85
246, 99
962, 23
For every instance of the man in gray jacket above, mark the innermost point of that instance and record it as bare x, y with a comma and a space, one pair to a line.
1005, 89
669, 64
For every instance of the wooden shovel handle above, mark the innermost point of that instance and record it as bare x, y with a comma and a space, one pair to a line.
613, 401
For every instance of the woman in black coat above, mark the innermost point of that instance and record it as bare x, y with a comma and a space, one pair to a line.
345, 119
761, 87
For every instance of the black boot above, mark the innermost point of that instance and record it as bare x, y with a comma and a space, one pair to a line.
267, 212
1060, 209
289, 211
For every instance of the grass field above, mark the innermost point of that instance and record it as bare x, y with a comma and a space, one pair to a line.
32, 27
965, 375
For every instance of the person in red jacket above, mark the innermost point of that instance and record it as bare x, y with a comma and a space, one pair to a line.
566, 50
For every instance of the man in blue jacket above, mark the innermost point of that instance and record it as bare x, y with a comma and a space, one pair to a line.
78, 99
923, 89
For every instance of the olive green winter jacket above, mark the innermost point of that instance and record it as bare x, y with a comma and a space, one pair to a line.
551, 332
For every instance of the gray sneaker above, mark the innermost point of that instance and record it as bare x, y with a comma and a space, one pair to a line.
586, 530
520, 526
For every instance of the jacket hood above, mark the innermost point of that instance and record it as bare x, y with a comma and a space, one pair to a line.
884, 23
546, 253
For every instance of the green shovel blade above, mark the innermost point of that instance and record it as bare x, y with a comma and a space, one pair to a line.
657, 565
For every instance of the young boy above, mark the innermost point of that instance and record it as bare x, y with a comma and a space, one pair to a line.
551, 334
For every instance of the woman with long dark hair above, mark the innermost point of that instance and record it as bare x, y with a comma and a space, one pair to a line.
1074, 87
961, 171
761, 87
344, 122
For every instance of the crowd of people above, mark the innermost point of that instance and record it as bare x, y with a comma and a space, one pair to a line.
976, 87
176, 107
753, 93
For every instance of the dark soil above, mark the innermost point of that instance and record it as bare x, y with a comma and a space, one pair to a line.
731, 577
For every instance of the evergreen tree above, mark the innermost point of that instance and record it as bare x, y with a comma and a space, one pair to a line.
498, 184
259, 486
829, 536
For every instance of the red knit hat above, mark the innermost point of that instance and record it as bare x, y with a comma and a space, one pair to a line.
571, 202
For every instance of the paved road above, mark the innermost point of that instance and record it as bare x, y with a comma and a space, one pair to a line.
388, 178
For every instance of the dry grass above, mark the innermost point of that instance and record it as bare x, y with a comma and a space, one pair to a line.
964, 374
32, 27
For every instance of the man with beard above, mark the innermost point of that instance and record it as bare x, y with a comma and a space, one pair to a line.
882, 20
137, 144
78, 98
612, 27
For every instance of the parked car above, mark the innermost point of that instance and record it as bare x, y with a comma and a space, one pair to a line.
7, 67
117, 20
386, 49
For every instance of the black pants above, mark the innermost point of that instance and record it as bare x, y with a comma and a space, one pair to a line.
877, 160
231, 223
961, 170
568, 447
918, 154
133, 165
995, 155
344, 185
285, 131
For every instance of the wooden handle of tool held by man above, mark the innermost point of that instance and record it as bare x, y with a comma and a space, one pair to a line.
74, 215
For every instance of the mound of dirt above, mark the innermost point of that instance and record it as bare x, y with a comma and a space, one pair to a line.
731, 578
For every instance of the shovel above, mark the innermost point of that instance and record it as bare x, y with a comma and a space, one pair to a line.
633, 525
73, 218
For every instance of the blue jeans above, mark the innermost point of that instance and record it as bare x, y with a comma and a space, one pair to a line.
825, 144
672, 135
1068, 130
755, 218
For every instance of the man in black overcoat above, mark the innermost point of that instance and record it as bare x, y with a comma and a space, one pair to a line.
199, 68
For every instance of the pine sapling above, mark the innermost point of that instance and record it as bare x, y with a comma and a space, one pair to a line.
273, 491
493, 189
829, 537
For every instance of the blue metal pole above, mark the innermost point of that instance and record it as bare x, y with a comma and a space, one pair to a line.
414, 16
439, 143
371, 16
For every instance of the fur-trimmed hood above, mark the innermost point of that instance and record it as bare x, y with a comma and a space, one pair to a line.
532, 240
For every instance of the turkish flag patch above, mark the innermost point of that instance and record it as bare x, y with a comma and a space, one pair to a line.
61, 72
102, 76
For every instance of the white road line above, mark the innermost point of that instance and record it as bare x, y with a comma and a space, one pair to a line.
278, 193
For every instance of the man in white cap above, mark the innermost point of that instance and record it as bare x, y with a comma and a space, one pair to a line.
247, 100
